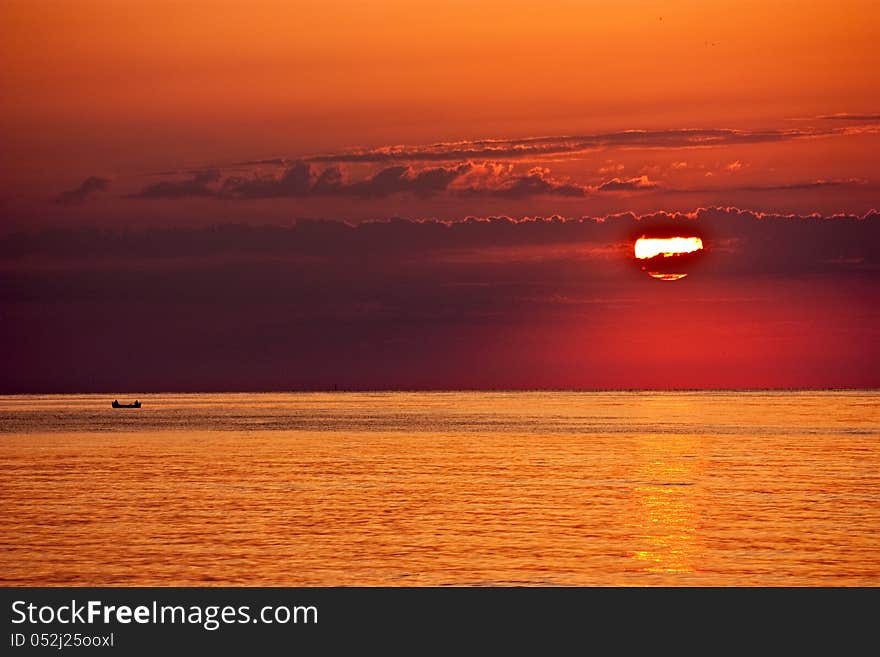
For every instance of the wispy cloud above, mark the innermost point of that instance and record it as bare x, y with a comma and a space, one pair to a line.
628, 184
533, 147
804, 185
843, 116
87, 189
197, 185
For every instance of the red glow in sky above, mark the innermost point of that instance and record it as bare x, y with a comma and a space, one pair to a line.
275, 195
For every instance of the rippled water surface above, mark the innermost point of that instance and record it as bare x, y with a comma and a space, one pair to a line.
545, 488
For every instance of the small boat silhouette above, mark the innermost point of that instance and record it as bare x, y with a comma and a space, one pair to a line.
116, 404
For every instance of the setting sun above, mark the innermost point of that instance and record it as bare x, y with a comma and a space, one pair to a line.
666, 277
665, 257
649, 247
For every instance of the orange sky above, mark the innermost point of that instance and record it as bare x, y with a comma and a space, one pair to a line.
119, 89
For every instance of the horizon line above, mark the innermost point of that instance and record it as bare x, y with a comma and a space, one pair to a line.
316, 390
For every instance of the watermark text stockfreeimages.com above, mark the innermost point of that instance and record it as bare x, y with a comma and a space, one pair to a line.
210, 617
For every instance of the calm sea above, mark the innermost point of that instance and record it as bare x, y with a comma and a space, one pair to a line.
543, 488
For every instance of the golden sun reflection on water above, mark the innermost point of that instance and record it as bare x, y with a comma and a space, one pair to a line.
667, 520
